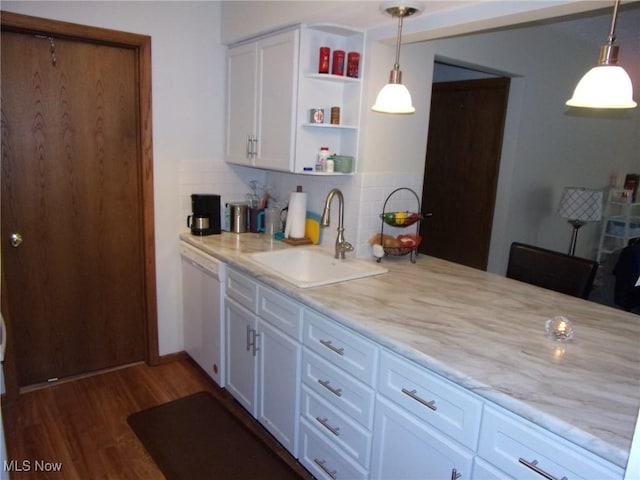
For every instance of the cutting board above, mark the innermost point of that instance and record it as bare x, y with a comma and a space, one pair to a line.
313, 230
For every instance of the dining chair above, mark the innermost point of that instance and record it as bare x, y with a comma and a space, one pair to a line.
553, 270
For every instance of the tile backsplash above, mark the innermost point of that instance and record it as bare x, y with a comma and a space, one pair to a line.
364, 194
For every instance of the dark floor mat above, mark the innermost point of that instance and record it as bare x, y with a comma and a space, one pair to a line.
196, 438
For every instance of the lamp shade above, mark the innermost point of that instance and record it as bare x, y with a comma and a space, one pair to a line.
581, 204
604, 86
394, 98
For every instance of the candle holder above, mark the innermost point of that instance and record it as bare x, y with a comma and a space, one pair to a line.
559, 329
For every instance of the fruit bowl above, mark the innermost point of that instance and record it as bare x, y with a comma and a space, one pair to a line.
400, 219
403, 245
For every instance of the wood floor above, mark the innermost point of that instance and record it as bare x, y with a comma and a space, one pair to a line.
81, 425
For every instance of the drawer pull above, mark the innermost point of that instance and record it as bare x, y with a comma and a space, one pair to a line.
329, 345
533, 465
326, 384
323, 465
325, 423
412, 394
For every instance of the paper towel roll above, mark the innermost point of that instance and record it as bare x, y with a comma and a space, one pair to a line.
296, 216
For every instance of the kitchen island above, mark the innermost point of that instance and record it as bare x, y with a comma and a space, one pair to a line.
485, 333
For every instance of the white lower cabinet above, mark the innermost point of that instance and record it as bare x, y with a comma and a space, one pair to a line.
482, 470
425, 427
278, 387
324, 459
333, 424
527, 452
264, 356
241, 326
406, 448
338, 399
349, 409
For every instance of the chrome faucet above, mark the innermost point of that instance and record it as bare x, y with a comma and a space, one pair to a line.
342, 245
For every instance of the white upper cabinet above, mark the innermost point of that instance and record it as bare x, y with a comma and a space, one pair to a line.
272, 85
261, 92
324, 91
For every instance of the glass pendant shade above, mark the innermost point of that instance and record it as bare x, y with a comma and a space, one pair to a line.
393, 98
607, 85
604, 86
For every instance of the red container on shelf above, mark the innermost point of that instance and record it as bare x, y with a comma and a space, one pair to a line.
353, 64
338, 62
323, 61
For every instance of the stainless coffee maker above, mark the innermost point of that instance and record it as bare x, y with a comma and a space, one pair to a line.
205, 219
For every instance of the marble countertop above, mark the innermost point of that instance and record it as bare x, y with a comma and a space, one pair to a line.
486, 333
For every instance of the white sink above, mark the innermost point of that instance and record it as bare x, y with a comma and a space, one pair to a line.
314, 266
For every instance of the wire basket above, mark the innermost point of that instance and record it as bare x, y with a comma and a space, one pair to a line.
409, 243
400, 219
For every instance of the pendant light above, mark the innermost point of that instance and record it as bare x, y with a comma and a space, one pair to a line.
607, 85
394, 96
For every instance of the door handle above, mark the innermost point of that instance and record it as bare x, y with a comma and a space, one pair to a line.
15, 239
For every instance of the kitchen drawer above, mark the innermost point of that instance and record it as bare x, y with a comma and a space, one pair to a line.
280, 311
431, 398
347, 394
483, 470
243, 289
508, 441
349, 436
325, 460
344, 348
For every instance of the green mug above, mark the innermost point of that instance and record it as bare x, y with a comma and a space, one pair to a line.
343, 163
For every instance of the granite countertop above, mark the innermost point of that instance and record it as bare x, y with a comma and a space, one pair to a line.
486, 333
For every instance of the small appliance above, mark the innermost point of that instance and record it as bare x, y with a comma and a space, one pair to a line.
205, 217
238, 217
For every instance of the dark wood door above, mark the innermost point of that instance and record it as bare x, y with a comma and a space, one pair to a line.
461, 169
71, 190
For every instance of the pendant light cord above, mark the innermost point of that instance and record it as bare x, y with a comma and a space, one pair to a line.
398, 41
612, 31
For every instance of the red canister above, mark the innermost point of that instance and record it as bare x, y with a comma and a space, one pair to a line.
323, 62
338, 62
353, 64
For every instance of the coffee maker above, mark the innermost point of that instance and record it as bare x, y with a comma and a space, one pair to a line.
205, 219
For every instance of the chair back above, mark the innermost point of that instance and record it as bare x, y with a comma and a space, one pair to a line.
553, 270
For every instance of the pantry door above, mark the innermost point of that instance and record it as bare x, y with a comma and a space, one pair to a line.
75, 204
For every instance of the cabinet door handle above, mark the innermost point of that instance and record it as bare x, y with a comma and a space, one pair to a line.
249, 145
326, 384
255, 342
325, 423
248, 337
254, 147
329, 345
455, 475
323, 465
429, 404
533, 465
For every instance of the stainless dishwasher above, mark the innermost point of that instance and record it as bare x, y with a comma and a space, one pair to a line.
203, 279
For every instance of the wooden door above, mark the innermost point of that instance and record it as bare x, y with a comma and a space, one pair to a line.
461, 169
71, 188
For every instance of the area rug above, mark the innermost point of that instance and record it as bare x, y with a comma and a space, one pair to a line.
196, 437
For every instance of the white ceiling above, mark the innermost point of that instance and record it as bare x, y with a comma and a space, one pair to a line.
593, 24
